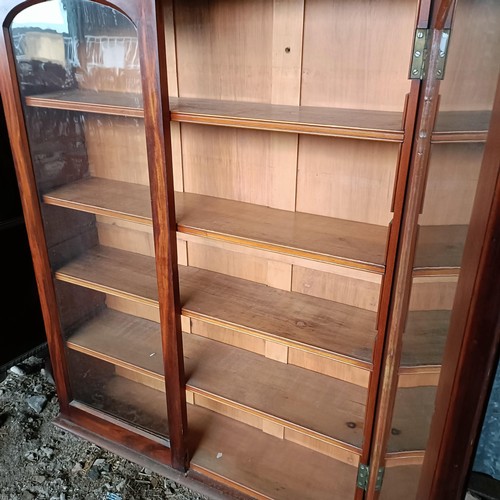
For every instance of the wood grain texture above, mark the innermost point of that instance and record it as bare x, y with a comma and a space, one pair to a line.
419, 376
439, 250
337, 330
240, 165
310, 361
451, 184
288, 395
461, 126
125, 235
284, 117
279, 116
240, 265
433, 293
105, 137
470, 82
401, 279
323, 238
330, 286
287, 33
298, 234
268, 466
124, 200
90, 101
350, 65
224, 49
400, 482
410, 426
424, 338
337, 178
12, 106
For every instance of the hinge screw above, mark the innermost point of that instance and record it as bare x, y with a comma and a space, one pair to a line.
441, 53
418, 53
420, 34
415, 71
439, 72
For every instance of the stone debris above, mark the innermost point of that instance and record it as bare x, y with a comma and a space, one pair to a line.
37, 403
40, 461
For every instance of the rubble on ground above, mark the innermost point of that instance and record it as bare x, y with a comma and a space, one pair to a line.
40, 461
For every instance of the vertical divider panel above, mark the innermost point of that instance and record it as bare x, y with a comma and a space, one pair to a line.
157, 120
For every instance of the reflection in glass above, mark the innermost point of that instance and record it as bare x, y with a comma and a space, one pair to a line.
79, 76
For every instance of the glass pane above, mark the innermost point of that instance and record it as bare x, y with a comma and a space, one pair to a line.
80, 81
466, 100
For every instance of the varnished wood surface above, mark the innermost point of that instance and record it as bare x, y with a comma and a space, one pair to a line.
256, 462
336, 330
291, 317
451, 126
461, 126
305, 235
124, 200
297, 398
400, 482
250, 460
358, 123
439, 250
424, 337
90, 101
293, 395
340, 241
413, 410
338, 122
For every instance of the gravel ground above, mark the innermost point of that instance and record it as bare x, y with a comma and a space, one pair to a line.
40, 461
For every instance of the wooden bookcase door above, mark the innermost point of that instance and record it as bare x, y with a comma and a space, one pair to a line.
93, 163
448, 204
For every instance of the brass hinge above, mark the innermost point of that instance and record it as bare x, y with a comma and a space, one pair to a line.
443, 53
364, 477
420, 53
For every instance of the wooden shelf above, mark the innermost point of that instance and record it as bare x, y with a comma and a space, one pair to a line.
352, 123
296, 398
338, 241
89, 101
122, 200
439, 250
355, 123
255, 462
242, 456
461, 126
400, 482
412, 417
332, 329
424, 338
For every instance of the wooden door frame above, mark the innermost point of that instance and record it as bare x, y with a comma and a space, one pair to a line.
473, 344
148, 18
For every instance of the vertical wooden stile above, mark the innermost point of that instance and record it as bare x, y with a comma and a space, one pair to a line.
157, 121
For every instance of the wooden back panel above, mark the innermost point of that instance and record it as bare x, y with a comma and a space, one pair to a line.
360, 63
